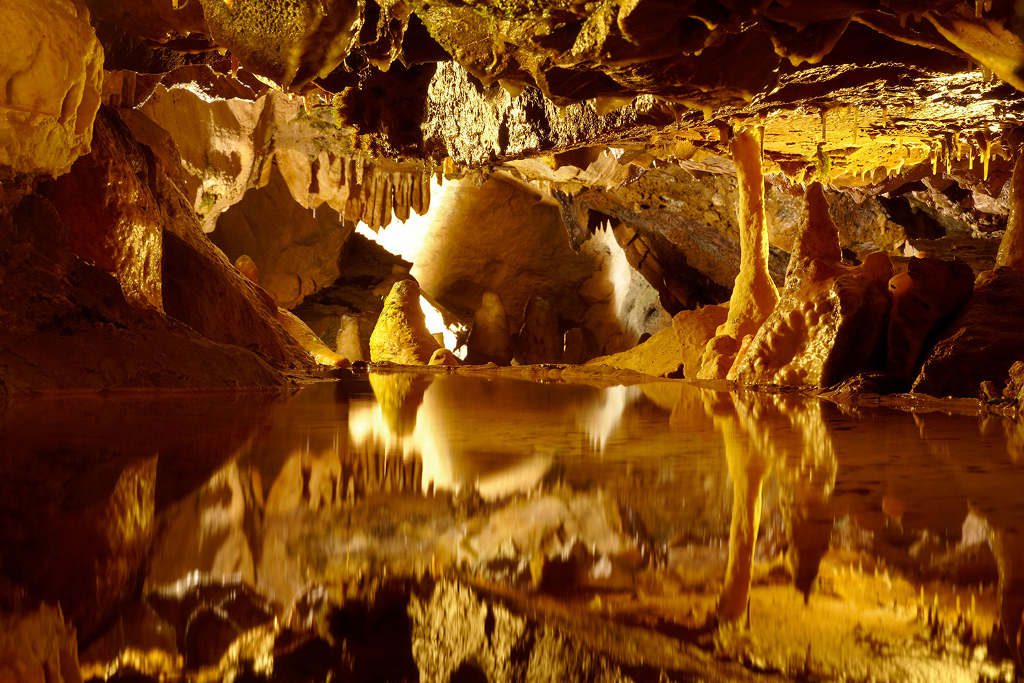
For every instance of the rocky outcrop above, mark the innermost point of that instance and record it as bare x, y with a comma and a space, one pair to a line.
294, 249
659, 356
830, 319
401, 334
693, 330
51, 76
988, 337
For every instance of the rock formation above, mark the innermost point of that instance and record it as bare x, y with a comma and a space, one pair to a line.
401, 334
754, 294
540, 337
490, 340
830, 319
988, 336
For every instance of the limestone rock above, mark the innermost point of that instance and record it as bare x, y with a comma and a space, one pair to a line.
468, 250
694, 328
659, 356
753, 294
51, 74
295, 249
306, 338
401, 334
540, 338
490, 341
347, 311
929, 292
982, 343
287, 41
828, 323
38, 647
444, 357
348, 341
115, 222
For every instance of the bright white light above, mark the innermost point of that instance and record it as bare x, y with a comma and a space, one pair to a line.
405, 239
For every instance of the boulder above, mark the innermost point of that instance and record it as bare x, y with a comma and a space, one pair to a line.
693, 330
401, 334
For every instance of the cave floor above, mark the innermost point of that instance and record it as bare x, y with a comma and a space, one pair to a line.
486, 526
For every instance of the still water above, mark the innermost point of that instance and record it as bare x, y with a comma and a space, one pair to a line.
436, 527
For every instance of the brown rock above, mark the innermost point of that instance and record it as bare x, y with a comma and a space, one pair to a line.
829, 321
575, 349
51, 73
115, 222
923, 296
38, 647
982, 343
540, 339
694, 328
490, 341
294, 248
401, 334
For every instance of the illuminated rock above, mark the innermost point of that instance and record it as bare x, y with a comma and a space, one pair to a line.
489, 340
295, 249
830, 320
52, 73
401, 334
38, 647
348, 341
289, 42
308, 340
444, 357
693, 329
754, 294
660, 356
114, 219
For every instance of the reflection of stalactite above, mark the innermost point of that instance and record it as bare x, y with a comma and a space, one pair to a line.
1008, 547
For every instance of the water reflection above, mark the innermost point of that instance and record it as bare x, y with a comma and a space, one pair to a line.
772, 532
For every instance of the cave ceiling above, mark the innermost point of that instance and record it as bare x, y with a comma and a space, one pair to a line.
853, 93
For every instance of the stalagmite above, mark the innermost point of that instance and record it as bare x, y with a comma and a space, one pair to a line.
754, 294
827, 324
490, 341
1011, 248
401, 334
540, 339
348, 342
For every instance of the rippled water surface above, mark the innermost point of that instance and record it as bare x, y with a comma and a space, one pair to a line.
467, 527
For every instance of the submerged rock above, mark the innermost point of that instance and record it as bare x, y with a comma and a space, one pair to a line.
401, 334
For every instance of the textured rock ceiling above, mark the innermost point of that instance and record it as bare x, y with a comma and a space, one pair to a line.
848, 92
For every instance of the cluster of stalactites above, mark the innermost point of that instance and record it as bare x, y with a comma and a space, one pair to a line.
358, 188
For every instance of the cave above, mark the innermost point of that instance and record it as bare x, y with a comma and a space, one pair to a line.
511, 340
